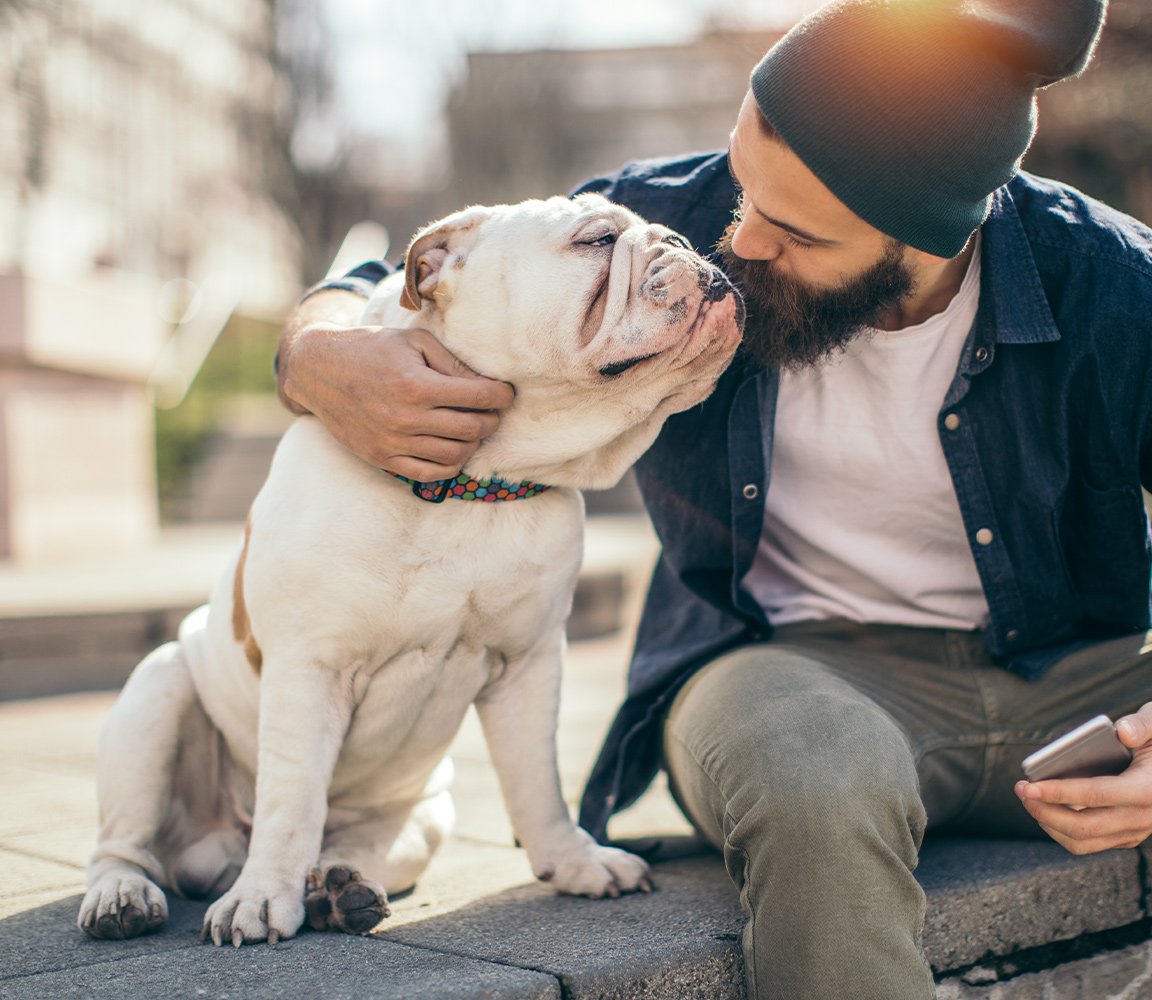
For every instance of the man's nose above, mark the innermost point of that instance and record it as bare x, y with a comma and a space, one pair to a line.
752, 246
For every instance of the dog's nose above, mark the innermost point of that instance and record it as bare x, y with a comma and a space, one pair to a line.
718, 287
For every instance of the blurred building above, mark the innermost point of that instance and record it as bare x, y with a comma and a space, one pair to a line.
1096, 131
134, 152
527, 124
133, 136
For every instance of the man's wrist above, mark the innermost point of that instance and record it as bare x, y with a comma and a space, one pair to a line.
292, 360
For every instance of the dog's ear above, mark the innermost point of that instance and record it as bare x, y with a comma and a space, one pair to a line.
428, 252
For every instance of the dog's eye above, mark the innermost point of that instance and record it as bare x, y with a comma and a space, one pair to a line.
620, 367
607, 239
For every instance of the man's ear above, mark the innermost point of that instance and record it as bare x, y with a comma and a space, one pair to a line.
429, 251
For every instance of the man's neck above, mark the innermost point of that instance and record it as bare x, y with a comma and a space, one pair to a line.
936, 286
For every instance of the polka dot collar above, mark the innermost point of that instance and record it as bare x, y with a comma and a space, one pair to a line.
466, 487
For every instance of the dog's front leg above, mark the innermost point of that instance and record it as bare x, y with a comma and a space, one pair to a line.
519, 713
304, 713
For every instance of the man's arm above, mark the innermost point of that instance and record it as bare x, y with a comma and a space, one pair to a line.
396, 398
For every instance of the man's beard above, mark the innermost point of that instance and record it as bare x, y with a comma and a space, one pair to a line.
791, 325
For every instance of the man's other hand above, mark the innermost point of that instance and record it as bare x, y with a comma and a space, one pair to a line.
1087, 815
396, 398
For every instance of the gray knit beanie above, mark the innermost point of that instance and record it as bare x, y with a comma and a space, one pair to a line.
912, 112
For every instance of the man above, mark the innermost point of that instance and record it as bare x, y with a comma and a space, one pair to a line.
904, 541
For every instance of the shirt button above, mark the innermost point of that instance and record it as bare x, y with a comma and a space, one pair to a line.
952, 421
1012, 635
984, 536
981, 354
751, 491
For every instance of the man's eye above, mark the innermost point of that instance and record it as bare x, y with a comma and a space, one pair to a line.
798, 244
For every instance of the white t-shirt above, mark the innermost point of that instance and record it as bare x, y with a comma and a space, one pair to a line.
861, 520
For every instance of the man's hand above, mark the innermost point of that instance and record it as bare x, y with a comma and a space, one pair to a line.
396, 398
1087, 815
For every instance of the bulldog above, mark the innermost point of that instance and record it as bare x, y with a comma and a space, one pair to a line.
286, 753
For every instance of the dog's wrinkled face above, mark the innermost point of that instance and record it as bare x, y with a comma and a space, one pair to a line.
604, 323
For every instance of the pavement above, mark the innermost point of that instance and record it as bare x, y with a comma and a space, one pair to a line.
1007, 920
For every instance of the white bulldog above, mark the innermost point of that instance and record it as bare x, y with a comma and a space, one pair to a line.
287, 752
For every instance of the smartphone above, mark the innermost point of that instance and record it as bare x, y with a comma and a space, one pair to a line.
1088, 751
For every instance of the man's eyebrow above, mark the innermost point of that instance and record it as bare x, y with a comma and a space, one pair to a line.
802, 234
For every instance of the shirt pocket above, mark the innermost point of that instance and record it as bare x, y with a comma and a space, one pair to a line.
1104, 534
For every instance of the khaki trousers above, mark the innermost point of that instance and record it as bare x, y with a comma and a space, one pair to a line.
816, 763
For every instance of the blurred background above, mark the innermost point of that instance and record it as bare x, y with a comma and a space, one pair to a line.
174, 172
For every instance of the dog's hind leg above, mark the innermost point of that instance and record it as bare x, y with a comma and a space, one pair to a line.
138, 747
209, 846
375, 854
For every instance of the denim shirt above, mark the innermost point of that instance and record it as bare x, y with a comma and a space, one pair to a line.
1046, 429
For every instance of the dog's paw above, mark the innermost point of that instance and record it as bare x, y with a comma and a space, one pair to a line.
597, 872
122, 905
337, 898
250, 912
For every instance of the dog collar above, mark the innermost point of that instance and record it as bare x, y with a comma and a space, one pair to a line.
466, 487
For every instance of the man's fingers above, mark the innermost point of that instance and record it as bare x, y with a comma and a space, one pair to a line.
462, 386
471, 393
1092, 846
438, 357
1135, 730
420, 470
459, 425
1092, 830
1085, 793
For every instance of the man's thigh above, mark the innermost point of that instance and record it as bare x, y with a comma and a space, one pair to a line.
779, 726
966, 722
1113, 678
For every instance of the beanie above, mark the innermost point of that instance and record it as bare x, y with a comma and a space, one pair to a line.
912, 112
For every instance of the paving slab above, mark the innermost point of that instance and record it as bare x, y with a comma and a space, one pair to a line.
681, 940
28, 880
42, 956
994, 897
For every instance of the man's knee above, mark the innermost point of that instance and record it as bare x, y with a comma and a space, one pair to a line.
767, 746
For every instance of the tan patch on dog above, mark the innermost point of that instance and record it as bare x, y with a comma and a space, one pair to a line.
241, 626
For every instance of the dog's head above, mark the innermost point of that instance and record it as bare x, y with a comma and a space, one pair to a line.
604, 323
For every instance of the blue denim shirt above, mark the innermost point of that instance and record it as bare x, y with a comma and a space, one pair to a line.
1051, 440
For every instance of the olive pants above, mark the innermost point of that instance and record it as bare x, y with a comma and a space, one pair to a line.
817, 762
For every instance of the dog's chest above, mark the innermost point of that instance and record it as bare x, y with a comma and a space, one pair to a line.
472, 576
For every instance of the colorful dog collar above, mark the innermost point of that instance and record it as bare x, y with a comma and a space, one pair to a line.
465, 487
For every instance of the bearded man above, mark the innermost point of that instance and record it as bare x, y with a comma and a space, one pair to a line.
903, 542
